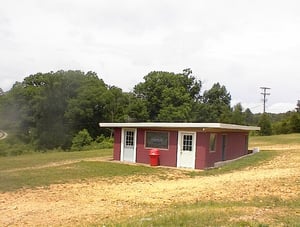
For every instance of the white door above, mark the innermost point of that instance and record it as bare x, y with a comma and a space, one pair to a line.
128, 145
186, 149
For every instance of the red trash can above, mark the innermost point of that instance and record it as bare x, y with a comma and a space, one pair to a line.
154, 157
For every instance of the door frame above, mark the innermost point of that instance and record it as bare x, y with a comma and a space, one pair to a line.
179, 143
224, 146
123, 141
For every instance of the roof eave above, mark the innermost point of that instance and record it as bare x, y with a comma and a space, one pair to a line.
180, 125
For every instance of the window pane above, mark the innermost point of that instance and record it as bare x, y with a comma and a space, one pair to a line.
187, 143
157, 140
129, 139
212, 142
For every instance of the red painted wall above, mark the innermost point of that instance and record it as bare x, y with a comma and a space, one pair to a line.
117, 143
202, 144
167, 157
235, 147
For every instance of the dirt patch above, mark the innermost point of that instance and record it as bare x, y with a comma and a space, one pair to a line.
99, 201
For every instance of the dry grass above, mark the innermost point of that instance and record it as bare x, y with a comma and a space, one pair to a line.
127, 199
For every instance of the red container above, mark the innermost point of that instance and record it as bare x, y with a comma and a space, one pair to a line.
154, 157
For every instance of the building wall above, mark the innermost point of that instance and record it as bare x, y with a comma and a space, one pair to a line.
117, 143
236, 146
202, 144
168, 157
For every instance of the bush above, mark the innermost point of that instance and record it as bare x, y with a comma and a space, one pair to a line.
265, 125
106, 143
82, 139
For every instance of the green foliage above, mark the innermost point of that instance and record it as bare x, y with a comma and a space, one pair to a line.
166, 96
47, 110
265, 125
137, 109
82, 139
294, 122
215, 106
286, 123
238, 117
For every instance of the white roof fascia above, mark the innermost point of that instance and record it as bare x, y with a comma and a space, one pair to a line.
178, 125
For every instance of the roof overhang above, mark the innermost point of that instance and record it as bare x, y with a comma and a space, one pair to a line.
165, 125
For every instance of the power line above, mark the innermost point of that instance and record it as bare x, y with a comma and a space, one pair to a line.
264, 93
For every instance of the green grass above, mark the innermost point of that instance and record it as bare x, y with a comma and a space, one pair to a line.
251, 160
211, 213
288, 139
257, 212
38, 159
78, 171
223, 213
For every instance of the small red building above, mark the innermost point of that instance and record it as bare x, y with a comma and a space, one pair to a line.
187, 145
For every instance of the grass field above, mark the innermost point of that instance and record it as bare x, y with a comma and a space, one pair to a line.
259, 190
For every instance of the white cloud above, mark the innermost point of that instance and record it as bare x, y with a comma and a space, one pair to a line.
241, 44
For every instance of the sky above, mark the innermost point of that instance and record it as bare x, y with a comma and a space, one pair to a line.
242, 44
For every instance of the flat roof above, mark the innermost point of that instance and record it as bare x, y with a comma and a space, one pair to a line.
179, 125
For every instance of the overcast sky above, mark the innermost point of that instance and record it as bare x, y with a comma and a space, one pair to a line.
240, 44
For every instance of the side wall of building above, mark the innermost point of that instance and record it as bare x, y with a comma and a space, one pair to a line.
202, 144
236, 145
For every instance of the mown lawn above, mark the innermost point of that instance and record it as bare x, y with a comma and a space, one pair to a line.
23, 171
38, 159
275, 211
35, 170
78, 171
288, 139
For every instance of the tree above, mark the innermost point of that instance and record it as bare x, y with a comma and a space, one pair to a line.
294, 122
116, 103
265, 125
167, 96
215, 106
249, 117
49, 109
238, 116
137, 109
88, 107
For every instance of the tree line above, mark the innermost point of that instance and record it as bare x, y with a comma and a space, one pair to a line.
56, 109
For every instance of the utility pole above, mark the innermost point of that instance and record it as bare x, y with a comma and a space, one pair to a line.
265, 93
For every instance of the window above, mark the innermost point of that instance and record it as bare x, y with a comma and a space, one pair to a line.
129, 139
157, 140
212, 142
187, 143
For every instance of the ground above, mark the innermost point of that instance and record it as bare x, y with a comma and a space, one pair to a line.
100, 201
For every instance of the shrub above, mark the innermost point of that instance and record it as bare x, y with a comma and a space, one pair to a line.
82, 139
